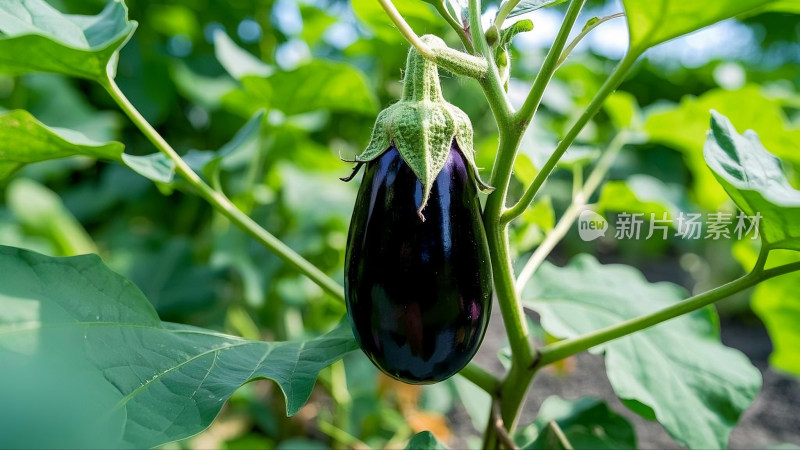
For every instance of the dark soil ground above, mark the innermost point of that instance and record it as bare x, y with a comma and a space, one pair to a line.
772, 420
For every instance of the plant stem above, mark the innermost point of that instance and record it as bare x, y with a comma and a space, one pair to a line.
550, 64
579, 201
219, 201
505, 10
611, 83
586, 30
462, 33
478, 376
563, 349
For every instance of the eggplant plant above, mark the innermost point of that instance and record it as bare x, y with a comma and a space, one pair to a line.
429, 246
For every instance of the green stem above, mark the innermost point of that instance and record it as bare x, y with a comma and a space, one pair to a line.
586, 30
613, 81
563, 349
478, 376
579, 200
219, 201
505, 10
462, 33
550, 64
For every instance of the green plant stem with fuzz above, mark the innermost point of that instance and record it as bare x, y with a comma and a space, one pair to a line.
611, 83
566, 348
459, 63
219, 201
441, 8
579, 200
549, 66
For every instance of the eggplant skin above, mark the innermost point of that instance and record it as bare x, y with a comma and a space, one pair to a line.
418, 294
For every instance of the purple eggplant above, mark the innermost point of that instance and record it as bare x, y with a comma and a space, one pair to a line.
419, 292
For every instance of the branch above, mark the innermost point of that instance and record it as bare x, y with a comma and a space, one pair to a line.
462, 33
563, 349
505, 10
454, 61
478, 376
562, 438
613, 81
550, 64
586, 30
579, 201
219, 201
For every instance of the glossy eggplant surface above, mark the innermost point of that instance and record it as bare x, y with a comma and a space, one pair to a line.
419, 293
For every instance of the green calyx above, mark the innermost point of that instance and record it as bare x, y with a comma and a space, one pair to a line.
423, 125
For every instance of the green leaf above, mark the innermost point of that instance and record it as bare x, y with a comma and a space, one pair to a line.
754, 179
25, 140
86, 358
655, 21
43, 213
35, 37
236, 61
677, 372
640, 194
159, 168
319, 85
419, 15
425, 441
587, 423
526, 6
679, 128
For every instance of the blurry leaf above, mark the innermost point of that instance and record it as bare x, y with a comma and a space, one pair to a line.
754, 179
315, 22
24, 140
640, 194
71, 328
236, 61
205, 91
35, 37
428, 421
476, 401
624, 111
161, 169
322, 85
172, 20
587, 423
419, 15
680, 128
677, 372
424, 441
42, 213
526, 6
653, 22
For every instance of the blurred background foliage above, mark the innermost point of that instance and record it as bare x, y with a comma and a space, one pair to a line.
321, 70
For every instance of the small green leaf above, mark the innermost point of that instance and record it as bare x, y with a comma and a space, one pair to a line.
655, 21
425, 441
86, 358
25, 140
641, 194
526, 6
677, 372
754, 179
587, 423
35, 37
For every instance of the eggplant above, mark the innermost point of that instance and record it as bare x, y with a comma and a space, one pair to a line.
418, 290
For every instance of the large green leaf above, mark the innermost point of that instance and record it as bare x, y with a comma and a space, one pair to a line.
24, 140
425, 440
677, 372
86, 358
678, 127
587, 423
652, 22
35, 37
754, 179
